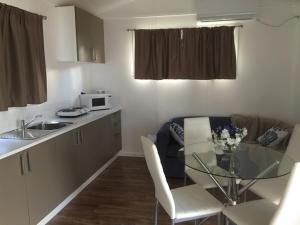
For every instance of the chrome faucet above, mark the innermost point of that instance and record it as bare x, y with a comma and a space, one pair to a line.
24, 124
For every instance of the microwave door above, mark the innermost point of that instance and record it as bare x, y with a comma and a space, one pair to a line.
96, 102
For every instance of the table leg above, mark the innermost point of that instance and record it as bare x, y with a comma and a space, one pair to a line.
234, 191
229, 198
229, 186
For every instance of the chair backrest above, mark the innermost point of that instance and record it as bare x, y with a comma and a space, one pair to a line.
162, 189
293, 149
288, 211
197, 131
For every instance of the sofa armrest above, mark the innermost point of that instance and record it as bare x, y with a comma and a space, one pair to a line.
163, 137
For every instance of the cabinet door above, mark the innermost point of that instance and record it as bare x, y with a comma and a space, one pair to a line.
52, 174
92, 149
98, 40
90, 37
116, 134
13, 203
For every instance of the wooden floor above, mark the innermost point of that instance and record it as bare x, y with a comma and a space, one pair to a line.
122, 195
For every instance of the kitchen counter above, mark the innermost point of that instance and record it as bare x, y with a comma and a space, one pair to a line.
9, 147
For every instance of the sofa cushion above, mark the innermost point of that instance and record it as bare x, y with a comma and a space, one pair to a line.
257, 126
248, 122
173, 149
219, 121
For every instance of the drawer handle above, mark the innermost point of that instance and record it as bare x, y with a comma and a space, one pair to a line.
77, 138
81, 138
21, 165
28, 162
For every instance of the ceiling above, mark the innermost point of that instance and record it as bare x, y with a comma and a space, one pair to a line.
144, 8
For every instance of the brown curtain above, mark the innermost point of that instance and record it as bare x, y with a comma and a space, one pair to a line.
189, 53
22, 58
155, 53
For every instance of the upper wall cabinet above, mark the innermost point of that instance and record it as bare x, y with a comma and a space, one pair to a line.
80, 36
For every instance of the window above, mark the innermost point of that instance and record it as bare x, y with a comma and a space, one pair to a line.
189, 53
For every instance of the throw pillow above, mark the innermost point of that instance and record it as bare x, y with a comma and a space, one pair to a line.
272, 137
177, 133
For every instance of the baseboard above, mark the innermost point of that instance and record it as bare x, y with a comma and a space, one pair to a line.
55, 211
131, 154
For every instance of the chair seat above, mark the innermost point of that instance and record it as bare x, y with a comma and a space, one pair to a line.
204, 180
259, 212
193, 201
270, 189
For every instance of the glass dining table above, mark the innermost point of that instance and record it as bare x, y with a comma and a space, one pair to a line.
248, 163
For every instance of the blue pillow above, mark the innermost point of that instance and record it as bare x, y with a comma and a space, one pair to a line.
177, 133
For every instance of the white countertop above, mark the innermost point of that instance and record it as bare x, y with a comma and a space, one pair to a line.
9, 147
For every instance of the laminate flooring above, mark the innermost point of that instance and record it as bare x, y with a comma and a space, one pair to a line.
122, 195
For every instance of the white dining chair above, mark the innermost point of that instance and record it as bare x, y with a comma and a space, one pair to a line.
182, 204
264, 212
273, 189
197, 135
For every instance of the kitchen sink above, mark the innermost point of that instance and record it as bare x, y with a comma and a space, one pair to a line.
35, 131
49, 125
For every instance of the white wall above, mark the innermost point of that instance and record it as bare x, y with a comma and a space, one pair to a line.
263, 85
295, 90
65, 81
267, 68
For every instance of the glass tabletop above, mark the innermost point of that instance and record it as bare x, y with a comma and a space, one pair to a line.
248, 162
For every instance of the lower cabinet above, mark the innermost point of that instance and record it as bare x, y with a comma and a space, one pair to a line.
115, 134
91, 152
52, 174
13, 196
35, 181
99, 141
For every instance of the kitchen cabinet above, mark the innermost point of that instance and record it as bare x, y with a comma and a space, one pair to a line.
92, 148
13, 203
37, 180
99, 142
52, 174
114, 134
79, 35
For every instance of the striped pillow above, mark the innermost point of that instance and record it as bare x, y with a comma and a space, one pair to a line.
272, 137
177, 133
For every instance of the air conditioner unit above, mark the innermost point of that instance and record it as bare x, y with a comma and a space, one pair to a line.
226, 17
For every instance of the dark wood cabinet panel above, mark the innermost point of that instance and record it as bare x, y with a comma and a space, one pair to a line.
13, 207
52, 174
116, 133
90, 37
100, 141
92, 149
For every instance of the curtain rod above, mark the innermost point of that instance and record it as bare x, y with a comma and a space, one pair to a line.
44, 17
241, 26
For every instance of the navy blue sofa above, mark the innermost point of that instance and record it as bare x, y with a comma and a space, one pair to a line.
168, 148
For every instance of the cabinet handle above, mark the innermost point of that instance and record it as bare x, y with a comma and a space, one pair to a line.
77, 137
81, 137
94, 55
21, 165
28, 162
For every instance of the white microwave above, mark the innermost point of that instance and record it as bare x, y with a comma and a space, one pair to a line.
96, 101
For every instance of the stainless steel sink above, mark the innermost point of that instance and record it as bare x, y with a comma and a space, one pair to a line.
49, 126
35, 131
